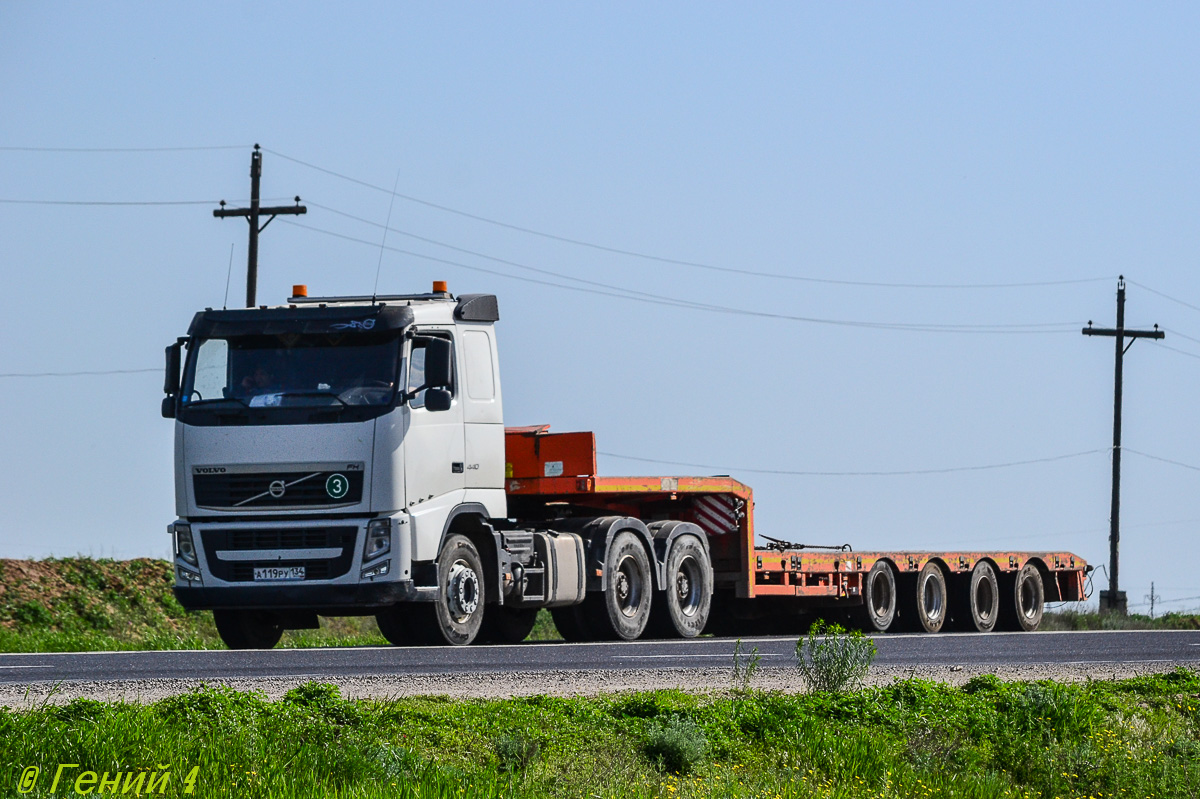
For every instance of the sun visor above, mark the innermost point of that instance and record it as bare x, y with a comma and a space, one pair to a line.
477, 308
274, 321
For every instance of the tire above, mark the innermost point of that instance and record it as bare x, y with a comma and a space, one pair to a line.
1022, 600
505, 625
572, 624
459, 608
878, 610
408, 624
977, 607
622, 610
248, 629
682, 609
924, 600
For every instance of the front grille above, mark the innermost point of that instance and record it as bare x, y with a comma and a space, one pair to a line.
291, 489
344, 538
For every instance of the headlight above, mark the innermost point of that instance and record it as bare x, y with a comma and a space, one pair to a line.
184, 548
379, 539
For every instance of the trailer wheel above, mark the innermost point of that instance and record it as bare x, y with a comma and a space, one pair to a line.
622, 610
248, 629
505, 625
878, 609
1023, 600
978, 601
923, 602
681, 610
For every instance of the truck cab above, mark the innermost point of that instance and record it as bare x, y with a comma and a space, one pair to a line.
323, 450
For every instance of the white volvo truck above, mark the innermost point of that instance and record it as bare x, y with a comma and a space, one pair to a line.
348, 456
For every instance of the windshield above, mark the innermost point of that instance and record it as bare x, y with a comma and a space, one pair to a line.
293, 370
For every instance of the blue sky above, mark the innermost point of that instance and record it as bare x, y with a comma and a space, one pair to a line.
932, 144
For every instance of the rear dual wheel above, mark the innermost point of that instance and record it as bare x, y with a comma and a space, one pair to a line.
681, 610
622, 610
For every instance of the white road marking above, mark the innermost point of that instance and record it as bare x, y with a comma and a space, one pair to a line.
44, 666
727, 655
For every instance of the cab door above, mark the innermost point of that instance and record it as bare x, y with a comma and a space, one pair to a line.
433, 443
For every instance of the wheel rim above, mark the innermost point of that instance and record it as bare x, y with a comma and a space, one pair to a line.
931, 599
628, 588
688, 584
1027, 599
881, 596
984, 598
463, 591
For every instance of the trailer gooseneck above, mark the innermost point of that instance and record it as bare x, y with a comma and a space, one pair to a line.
348, 456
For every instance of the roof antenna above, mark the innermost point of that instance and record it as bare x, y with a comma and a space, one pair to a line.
225, 305
382, 244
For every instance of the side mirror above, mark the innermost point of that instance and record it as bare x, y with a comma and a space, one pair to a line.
437, 363
437, 399
174, 360
171, 378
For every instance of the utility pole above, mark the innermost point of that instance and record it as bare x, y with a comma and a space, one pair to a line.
252, 214
1152, 597
1113, 600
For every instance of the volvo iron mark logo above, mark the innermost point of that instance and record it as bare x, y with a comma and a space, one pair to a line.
277, 488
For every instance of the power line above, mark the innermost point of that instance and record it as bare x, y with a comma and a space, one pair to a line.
638, 296
131, 202
1144, 287
678, 261
1181, 352
1164, 460
108, 202
730, 470
122, 149
78, 374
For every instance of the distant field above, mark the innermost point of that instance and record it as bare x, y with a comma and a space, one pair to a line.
87, 604
988, 738
90, 604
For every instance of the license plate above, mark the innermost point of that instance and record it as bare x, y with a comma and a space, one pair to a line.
279, 573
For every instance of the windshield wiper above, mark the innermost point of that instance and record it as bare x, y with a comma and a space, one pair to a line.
238, 400
328, 394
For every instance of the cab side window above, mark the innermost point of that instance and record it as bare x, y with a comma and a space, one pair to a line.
416, 368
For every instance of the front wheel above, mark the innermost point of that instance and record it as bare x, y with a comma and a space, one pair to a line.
458, 611
248, 629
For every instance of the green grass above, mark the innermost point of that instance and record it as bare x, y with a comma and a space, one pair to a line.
1138, 737
91, 604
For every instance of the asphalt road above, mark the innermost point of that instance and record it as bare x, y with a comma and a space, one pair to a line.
997, 649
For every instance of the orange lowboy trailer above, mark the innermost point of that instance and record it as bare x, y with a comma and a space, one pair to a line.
553, 476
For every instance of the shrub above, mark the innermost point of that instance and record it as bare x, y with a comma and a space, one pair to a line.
32, 614
676, 744
516, 752
745, 664
831, 659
